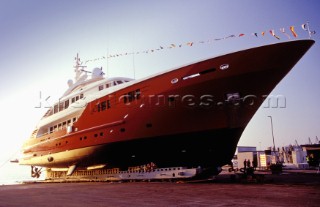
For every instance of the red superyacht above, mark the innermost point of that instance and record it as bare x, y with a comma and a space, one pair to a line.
192, 116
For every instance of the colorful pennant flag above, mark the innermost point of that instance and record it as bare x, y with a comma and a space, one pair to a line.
273, 34
304, 27
190, 44
293, 32
282, 30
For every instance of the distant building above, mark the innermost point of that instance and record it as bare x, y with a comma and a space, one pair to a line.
248, 153
312, 153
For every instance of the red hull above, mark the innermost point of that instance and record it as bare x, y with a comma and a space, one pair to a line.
184, 117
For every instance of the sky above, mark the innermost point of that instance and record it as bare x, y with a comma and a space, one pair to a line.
40, 38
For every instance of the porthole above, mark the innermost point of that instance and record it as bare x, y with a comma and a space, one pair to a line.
224, 66
174, 81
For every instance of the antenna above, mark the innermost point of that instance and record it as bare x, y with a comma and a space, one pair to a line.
310, 141
79, 68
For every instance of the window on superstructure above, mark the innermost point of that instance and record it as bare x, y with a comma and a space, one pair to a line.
73, 100
125, 98
138, 94
55, 109
69, 121
103, 106
108, 85
119, 82
101, 88
77, 98
61, 106
108, 104
66, 104
132, 95
99, 107
59, 126
64, 124
81, 95
74, 119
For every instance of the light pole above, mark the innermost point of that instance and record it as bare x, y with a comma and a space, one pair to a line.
274, 146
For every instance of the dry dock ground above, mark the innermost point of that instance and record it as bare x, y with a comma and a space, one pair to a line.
293, 189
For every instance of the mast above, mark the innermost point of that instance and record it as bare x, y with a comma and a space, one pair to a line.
79, 68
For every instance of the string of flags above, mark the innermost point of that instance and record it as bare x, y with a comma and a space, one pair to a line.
291, 33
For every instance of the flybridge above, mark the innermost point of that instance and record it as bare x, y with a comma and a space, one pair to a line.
82, 86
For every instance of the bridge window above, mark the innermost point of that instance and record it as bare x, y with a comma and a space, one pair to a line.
132, 95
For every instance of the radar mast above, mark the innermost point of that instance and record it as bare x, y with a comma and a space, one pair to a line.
79, 68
